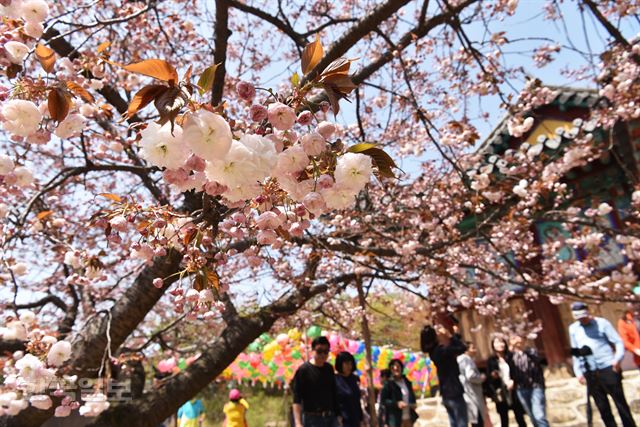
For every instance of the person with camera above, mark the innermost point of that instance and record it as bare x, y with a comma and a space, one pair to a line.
444, 347
593, 340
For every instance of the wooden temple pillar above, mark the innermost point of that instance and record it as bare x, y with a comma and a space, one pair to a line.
552, 340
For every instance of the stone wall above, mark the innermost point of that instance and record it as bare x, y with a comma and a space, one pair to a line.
566, 404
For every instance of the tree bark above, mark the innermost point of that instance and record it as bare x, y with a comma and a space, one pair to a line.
366, 334
157, 405
220, 55
124, 316
91, 344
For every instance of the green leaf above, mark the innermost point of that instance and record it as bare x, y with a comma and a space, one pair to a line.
205, 82
380, 158
295, 79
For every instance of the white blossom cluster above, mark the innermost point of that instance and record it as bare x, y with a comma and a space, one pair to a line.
27, 377
205, 155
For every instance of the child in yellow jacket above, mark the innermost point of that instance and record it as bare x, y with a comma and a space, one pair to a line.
235, 411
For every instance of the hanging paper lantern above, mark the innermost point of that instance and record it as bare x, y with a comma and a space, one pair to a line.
254, 347
294, 334
282, 339
182, 364
269, 351
333, 342
314, 332
254, 360
265, 338
167, 365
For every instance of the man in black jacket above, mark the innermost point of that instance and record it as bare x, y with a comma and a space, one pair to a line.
444, 348
314, 390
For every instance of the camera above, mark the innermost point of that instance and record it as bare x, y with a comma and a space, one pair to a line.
583, 351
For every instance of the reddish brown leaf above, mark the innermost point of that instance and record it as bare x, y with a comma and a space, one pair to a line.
46, 56
107, 110
143, 97
199, 282
381, 159
142, 225
169, 103
340, 83
78, 90
156, 68
213, 279
206, 279
42, 215
187, 75
338, 67
59, 103
188, 236
111, 196
103, 46
311, 55
334, 99
13, 70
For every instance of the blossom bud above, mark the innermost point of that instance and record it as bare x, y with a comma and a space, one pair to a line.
246, 91
266, 237
258, 113
305, 118
326, 129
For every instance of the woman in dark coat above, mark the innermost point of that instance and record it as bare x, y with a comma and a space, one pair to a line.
348, 391
398, 398
501, 385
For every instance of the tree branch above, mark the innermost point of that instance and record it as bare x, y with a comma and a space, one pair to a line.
611, 29
222, 34
417, 32
297, 38
354, 34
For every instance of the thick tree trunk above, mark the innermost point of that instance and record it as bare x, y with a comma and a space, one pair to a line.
157, 405
123, 318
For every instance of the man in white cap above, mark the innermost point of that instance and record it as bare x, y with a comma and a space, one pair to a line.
602, 373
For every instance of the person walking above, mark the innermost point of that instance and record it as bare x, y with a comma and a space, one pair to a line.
314, 389
528, 377
444, 347
235, 411
385, 376
191, 414
398, 398
502, 385
348, 391
599, 366
471, 380
629, 333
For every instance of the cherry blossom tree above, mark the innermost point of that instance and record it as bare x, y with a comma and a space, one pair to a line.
182, 176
